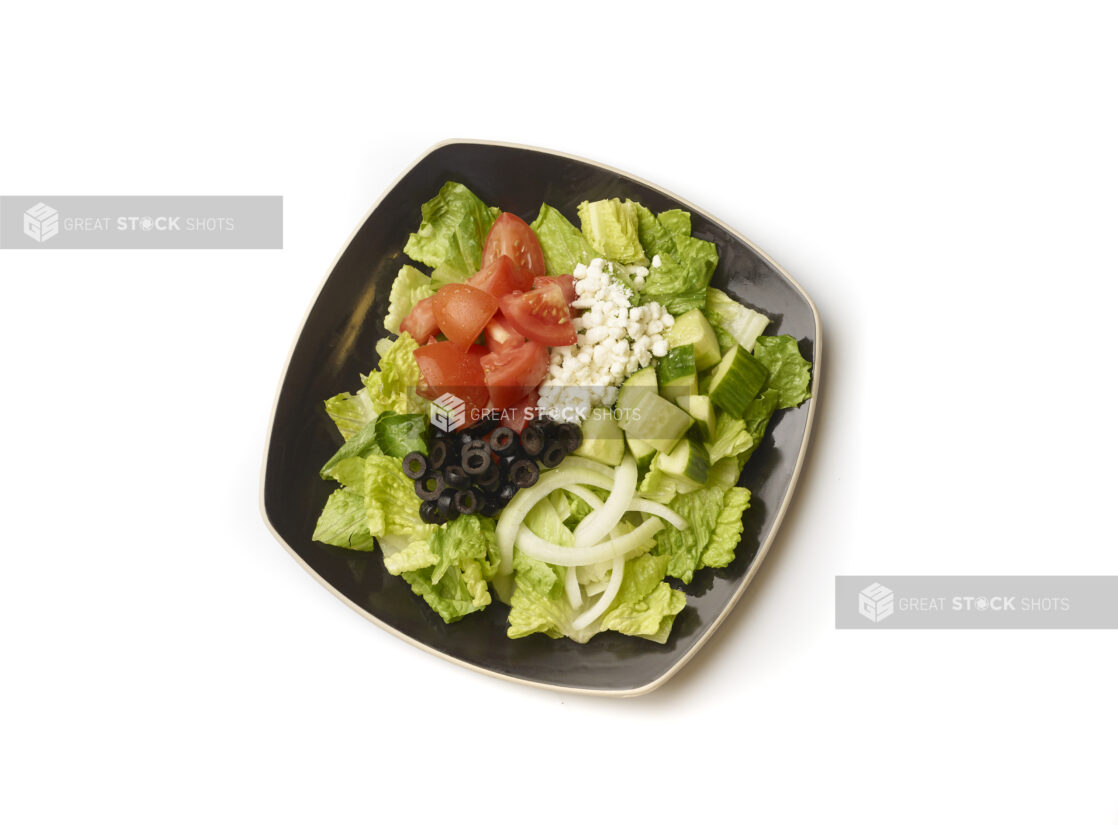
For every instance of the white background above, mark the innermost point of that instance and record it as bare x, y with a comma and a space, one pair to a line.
942, 182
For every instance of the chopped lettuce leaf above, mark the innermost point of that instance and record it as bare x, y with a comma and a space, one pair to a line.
686, 264
391, 505
441, 275
611, 227
351, 413
357, 446
452, 233
544, 521
659, 486
392, 387
343, 523
730, 438
724, 540
466, 559
736, 320
398, 434
724, 473
415, 554
410, 287
563, 245
646, 604
757, 416
684, 548
789, 373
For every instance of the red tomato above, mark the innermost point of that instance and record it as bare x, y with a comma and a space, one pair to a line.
501, 277
516, 416
445, 368
511, 236
565, 282
512, 374
542, 315
420, 323
500, 336
462, 311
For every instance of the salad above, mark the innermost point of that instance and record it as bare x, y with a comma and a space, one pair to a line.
559, 417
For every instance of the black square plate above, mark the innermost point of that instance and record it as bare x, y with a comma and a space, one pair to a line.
336, 344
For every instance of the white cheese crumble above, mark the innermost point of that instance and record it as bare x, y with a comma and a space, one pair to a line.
615, 339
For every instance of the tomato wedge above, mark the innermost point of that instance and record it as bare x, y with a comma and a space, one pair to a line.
420, 323
501, 277
446, 368
511, 236
462, 311
542, 315
517, 415
512, 374
500, 336
566, 283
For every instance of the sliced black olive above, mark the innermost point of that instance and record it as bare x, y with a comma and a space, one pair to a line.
503, 440
569, 435
415, 465
490, 480
490, 506
429, 512
532, 439
455, 476
476, 462
438, 453
446, 508
554, 454
430, 487
524, 472
505, 494
466, 502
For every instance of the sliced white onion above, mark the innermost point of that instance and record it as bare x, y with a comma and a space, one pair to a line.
512, 517
598, 524
537, 548
607, 597
574, 595
655, 508
596, 587
575, 462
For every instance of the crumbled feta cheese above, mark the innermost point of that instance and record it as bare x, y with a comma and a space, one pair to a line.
615, 339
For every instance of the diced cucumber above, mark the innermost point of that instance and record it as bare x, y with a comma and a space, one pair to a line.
676, 373
602, 439
737, 380
655, 420
693, 328
635, 385
701, 409
642, 451
689, 461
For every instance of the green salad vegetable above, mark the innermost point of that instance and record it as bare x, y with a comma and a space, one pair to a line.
601, 538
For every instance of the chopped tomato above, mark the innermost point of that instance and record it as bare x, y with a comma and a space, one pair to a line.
566, 283
511, 236
500, 336
542, 315
446, 368
501, 277
462, 311
517, 416
512, 374
420, 323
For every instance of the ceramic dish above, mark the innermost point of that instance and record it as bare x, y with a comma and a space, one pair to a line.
336, 343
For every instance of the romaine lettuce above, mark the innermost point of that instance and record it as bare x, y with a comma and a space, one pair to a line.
789, 373
686, 263
452, 233
563, 245
343, 522
410, 287
611, 227
728, 317
466, 560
